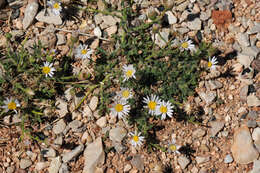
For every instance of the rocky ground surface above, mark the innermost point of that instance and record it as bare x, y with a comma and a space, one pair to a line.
228, 139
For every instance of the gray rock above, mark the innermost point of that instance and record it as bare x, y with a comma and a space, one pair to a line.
98, 18
245, 60
59, 127
242, 148
93, 103
171, 18
183, 30
251, 51
182, 6
208, 97
255, 29
213, 84
117, 134
55, 165
16, 34
62, 106
228, 159
216, 126
243, 39
97, 32
162, 39
198, 133
64, 168
195, 24
25, 163
30, 13
243, 93
50, 18
58, 140
41, 165
201, 159
256, 138
252, 115
111, 30
10, 169
119, 147
48, 152
237, 47
183, 162
138, 162
256, 167
75, 125
72, 154
252, 100
205, 15
251, 123
109, 20
94, 155
101, 122
61, 39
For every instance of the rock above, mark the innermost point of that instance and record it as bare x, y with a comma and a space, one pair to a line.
50, 18
64, 168
48, 40
10, 169
183, 162
251, 123
30, 13
213, 84
111, 30
127, 167
101, 122
94, 155
61, 39
243, 39
251, 51
245, 59
109, 20
198, 133
182, 6
48, 152
252, 100
205, 15
216, 126
254, 30
171, 18
242, 149
41, 165
252, 115
162, 40
194, 170
16, 34
25, 163
256, 167
208, 97
195, 24
59, 127
228, 159
55, 165
256, 138
3, 41
243, 93
72, 154
93, 103
137, 162
101, 5
256, 64
58, 140
32, 155
117, 134
75, 125
87, 112
97, 32
98, 18
200, 159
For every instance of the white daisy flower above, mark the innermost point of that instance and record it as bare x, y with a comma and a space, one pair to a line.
163, 109
173, 148
47, 69
120, 108
212, 63
187, 45
152, 102
137, 139
125, 94
11, 104
55, 7
129, 72
83, 52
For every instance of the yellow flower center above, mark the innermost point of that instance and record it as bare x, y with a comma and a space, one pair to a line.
163, 109
119, 107
125, 93
185, 45
11, 105
152, 105
83, 51
135, 138
173, 147
56, 5
46, 70
209, 64
129, 73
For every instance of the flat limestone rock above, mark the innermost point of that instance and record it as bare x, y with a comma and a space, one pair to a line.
49, 18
